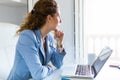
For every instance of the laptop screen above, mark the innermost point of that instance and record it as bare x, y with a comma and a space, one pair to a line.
101, 59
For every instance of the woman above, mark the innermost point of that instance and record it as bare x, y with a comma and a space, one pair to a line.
35, 47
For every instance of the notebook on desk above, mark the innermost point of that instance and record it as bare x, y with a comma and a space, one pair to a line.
89, 71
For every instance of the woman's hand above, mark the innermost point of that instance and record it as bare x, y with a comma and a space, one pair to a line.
58, 35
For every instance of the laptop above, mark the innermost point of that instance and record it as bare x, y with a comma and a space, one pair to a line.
88, 71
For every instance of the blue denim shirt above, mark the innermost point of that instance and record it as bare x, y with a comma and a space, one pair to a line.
30, 59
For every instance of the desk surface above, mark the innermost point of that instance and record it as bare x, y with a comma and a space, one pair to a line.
106, 73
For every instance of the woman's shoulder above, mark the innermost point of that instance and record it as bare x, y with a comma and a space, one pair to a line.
27, 33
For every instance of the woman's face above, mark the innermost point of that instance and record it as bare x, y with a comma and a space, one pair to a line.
56, 20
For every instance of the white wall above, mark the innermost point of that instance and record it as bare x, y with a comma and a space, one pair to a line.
12, 14
67, 14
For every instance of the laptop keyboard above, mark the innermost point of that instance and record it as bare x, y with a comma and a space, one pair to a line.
82, 70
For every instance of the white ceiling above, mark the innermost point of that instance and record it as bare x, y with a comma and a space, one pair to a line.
13, 2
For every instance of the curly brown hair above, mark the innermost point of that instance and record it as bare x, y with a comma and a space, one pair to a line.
37, 17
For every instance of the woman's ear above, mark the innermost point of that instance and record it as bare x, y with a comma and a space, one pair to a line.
49, 18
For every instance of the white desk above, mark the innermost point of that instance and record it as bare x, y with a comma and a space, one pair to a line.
107, 73
56, 75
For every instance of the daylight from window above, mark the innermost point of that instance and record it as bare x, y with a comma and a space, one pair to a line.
101, 26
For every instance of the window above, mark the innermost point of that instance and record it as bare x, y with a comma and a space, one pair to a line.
101, 26
79, 41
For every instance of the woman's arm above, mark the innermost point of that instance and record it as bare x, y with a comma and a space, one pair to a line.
57, 58
57, 54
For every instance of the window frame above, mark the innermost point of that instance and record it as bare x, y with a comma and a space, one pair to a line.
79, 32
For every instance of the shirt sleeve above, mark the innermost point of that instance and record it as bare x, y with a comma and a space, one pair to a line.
29, 52
57, 58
